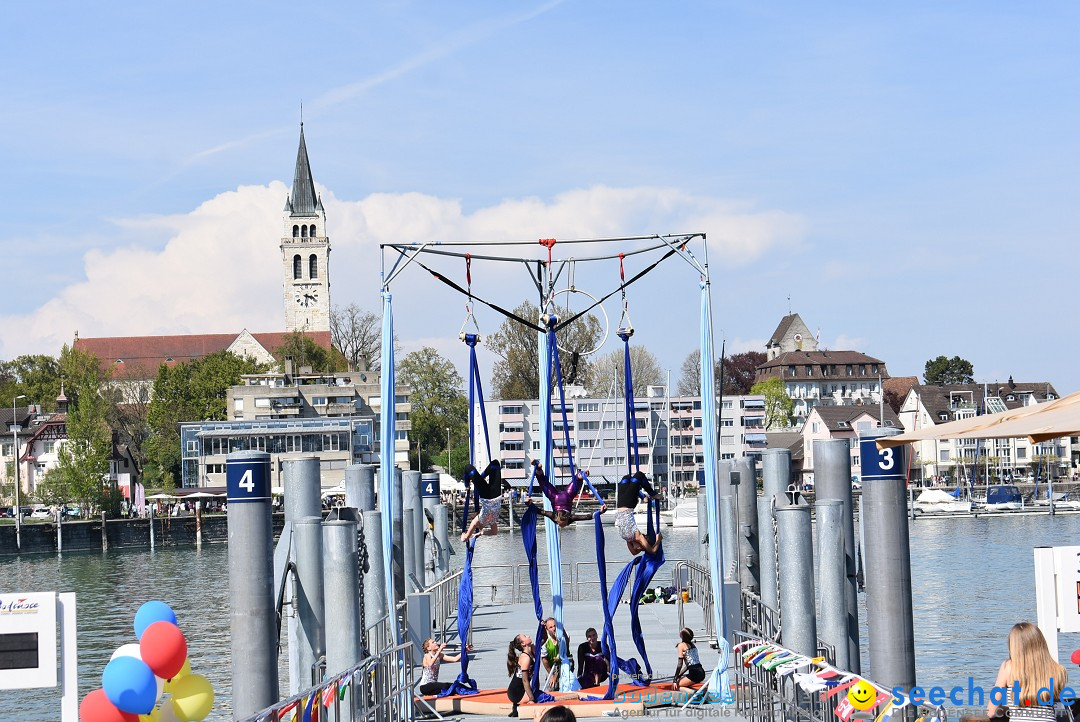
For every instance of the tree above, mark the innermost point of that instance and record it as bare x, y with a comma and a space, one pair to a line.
83, 458
778, 405
357, 334
644, 366
192, 391
516, 375
943, 371
739, 372
35, 375
437, 398
305, 352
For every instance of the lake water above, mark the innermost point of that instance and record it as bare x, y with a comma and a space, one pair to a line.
973, 579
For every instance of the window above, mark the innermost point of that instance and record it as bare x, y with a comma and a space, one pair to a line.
238, 405
296, 231
513, 427
536, 446
814, 427
48, 447
293, 444
944, 455
591, 406
726, 404
192, 445
862, 369
331, 442
262, 403
863, 425
7, 450
583, 444
849, 370
313, 265
612, 424
588, 426
874, 369
791, 371
639, 423
731, 422
512, 446
1021, 452
312, 233
511, 409
855, 460
514, 464
809, 370
297, 267
660, 459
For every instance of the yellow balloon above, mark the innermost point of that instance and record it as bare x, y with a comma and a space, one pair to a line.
154, 716
192, 697
184, 671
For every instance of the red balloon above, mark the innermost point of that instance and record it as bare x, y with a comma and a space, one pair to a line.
163, 648
1076, 657
96, 707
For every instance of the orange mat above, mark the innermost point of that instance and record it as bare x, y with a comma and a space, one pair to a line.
628, 698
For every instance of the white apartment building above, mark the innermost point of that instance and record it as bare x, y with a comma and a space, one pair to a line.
669, 439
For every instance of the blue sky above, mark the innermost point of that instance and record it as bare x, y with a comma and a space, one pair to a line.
908, 174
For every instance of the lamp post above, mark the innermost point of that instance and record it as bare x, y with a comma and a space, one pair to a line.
448, 451
18, 504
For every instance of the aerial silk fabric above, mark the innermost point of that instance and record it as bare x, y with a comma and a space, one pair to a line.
528, 539
719, 680
464, 684
567, 681
386, 460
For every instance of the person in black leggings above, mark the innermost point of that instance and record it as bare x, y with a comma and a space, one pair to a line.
489, 487
519, 661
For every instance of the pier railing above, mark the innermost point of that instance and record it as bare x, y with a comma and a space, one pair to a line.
761, 695
378, 688
444, 601
695, 579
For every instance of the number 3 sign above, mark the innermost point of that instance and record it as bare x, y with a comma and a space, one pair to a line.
881, 464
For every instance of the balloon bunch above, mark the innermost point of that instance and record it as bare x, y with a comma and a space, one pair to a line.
138, 675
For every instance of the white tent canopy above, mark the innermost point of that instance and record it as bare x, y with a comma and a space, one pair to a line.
1038, 422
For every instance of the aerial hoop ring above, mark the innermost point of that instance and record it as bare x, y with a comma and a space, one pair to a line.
607, 322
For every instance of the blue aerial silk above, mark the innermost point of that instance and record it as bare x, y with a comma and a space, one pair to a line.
464, 684
386, 458
528, 539
719, 681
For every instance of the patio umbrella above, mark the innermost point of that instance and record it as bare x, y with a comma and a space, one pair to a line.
1037, 422
161, 497
201, 495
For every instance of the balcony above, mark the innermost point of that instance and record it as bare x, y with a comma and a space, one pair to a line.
402, 426
340, 409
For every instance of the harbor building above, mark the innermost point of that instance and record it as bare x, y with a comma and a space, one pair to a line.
334, 415
841, 422
669, 441
1004, 460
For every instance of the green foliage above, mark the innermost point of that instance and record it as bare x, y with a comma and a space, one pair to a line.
459, 458
778, 405
437, 398
35, 375
943, 371
516, 375
305, 352
83, 458
192, 391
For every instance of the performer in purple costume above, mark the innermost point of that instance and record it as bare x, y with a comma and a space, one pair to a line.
562, 499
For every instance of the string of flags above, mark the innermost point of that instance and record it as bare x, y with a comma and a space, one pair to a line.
308, 708
814, 675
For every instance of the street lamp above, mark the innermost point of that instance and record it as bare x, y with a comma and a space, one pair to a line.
448, 451
18, 507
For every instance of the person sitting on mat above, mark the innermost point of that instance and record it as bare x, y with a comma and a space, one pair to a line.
562, 498
688, 671
519, 659
489, 490
591, 660
433, 657
627, 493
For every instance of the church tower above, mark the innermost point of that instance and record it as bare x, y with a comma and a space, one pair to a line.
305, 252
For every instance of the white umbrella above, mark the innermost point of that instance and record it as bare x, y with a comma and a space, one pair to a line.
161, 497
201, 495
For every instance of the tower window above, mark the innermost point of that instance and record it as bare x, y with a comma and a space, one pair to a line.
303, 231
312, 229
295, 231
297, 267
313, 266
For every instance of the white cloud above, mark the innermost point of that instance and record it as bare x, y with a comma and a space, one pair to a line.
220, 269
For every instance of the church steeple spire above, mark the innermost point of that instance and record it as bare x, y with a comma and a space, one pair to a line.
303, 201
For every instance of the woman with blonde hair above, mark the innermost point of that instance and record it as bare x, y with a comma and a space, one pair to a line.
1032, 670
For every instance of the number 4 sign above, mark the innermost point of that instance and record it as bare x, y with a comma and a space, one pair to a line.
247, 477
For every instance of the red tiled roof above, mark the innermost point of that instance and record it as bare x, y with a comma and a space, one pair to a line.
139, 357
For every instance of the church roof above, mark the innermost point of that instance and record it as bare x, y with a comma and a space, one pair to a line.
139, 357
303, 201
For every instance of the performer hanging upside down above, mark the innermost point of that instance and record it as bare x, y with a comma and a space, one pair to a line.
627, 494
489, 490
562, 498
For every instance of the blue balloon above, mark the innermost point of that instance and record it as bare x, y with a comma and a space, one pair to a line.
130, 685
152, 612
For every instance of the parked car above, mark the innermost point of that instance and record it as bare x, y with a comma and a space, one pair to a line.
41, 514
